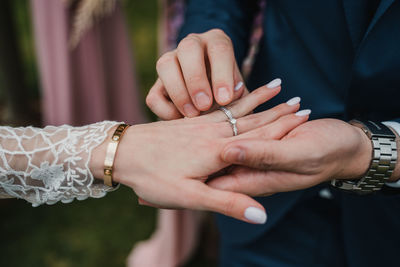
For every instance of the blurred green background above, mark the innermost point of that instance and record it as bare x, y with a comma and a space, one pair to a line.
94, 232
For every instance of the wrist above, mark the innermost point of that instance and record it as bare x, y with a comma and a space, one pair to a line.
96, 163
124, 163
362, 158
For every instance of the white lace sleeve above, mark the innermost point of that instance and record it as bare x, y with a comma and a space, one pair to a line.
51, 164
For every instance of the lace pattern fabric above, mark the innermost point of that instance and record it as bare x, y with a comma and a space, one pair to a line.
50, 164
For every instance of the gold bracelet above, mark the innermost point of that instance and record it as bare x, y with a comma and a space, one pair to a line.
110, 155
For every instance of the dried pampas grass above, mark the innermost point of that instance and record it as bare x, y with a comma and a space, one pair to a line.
86, 14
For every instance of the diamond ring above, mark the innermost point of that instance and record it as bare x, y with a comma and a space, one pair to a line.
231, 119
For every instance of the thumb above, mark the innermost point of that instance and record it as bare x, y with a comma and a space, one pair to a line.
236, 205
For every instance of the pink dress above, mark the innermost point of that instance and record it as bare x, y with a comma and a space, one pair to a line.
94, 81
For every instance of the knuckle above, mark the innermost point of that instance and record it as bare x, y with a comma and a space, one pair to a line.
217, 31
266, 160
257, 121
273, 114
165, 60
287, 120
278, 111
282, 108
195, 79
150, 99
236, 183
220, 46
194, 36
277, 132
229, 204
266, 134
189, 42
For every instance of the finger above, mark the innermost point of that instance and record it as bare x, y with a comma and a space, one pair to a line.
259, 96
283, 155
170, 74
246, 104
251, 182
278, 113
190, 54
276, 129
240, 89
263, 154
222, 64
254, 182
231, 204
270, 124
158, 102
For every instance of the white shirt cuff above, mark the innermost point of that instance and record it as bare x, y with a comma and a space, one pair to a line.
395, 126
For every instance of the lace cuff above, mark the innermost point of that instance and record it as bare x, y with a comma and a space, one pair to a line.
51, 164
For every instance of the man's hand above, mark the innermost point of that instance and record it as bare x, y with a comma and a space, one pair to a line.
201, 68
314, 152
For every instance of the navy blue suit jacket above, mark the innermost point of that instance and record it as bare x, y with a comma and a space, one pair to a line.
342, 66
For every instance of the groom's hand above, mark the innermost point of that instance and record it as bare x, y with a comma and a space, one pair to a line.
202, 68
312, 153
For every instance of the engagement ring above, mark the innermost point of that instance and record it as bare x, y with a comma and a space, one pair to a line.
231, 119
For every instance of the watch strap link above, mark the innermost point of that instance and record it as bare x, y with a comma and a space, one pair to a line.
384, 158
383, 162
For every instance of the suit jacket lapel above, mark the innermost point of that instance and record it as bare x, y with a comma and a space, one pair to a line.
383, 6
353, 19
353, 13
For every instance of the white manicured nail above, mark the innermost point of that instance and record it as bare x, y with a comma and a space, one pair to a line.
293, 101
303, 112
255, 215
274, 83
238, 86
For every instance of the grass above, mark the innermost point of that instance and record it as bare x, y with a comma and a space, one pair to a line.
94, 232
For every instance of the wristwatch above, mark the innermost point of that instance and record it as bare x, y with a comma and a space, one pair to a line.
384, 158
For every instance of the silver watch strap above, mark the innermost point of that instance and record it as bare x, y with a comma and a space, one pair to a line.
383, 162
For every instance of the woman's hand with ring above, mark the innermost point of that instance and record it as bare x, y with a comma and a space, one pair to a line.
166, 163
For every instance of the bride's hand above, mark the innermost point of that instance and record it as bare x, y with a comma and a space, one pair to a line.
166, 163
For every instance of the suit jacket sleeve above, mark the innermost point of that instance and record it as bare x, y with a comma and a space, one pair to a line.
234, 17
